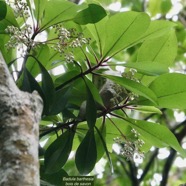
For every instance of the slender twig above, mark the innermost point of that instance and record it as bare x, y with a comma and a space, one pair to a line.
58, 127
90, 70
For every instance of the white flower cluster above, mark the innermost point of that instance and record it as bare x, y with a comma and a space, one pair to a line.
67, 40
130, 149
21, 9
136, 134
20, 38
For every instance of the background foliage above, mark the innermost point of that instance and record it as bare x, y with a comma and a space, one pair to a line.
111, 75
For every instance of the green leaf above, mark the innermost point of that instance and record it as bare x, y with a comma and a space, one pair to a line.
158, 28
170, 90
105, 148
78, 92
9, 55
91, 110
161, 50
60, 101
154, 6
59, 11
29, 84
158, 135
94, 91
166, 5
47, 86
66, 77
134, 87
86, 154
3, 9
42, 54
55, 178
147, 67
97, 31
123, 30
39, 10
58, 152
9, 19
92, 14
147, 109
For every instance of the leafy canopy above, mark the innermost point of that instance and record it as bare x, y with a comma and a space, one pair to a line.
87, 103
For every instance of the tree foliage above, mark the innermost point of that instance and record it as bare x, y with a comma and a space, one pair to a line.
71, 54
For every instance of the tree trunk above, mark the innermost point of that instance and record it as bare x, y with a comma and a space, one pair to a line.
20, 113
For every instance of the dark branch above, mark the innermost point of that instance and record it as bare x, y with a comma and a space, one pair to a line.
148, 165
172, 155
133, 173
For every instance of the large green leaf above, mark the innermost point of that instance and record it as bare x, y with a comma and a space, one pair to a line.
162, 49
97, 31
123, 30
29, 84
146, 68
3, 10
9, 55
86, 154
102, 146
157, 28
9, 19
159, 6
92, 14
60, 101
55, 178
91, 110
94, 91
65, 77
166, 5
42, 54
154, 6
134, 87
78, 92
46, 85
58, 152
147, 109
158, 135
59, 11
170, 90
39, 10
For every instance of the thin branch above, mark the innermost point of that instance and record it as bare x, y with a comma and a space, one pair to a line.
167, 167
58, 127
172, 156
90, 70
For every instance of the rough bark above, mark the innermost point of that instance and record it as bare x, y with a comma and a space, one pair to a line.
20, 113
